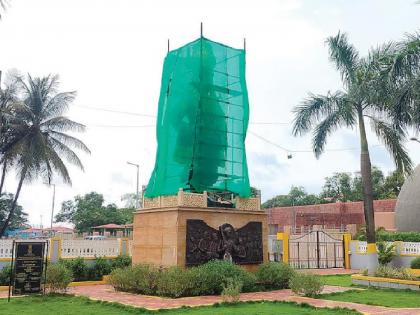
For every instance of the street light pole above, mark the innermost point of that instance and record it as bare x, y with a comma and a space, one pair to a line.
52, 205
137, 184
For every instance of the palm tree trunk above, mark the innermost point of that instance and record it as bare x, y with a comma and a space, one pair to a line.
3, 176
366, 172
13, 208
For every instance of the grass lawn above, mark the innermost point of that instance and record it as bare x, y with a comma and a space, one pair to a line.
382, 297
340, 280
70, 305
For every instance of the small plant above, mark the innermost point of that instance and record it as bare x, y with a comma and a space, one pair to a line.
5, 275
58, 278
232, 290
364, 272
274, 275
386, 252
306, 284
394, 273
415, 263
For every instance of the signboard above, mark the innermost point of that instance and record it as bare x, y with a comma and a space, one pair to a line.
28, 267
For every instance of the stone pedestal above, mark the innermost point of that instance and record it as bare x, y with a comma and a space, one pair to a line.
160, 233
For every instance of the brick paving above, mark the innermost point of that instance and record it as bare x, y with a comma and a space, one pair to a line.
107, 293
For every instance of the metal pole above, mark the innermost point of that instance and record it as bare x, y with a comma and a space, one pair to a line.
201, 29
52, 207
12, 270
168, 45
137, 189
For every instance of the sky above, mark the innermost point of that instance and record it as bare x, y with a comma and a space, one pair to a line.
111, 53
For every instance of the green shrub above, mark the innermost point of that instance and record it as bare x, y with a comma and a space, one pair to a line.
78, 268
175, 282
387, 236
394, 273
207, 279
232, 290
121, 261
306, 284
5, 275
415, 263
58, 278
100, 268
145, 278
386, 252
274, 275
122, 279
212, 276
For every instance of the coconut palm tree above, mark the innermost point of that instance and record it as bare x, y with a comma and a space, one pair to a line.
40, 139
366, 96
8, 100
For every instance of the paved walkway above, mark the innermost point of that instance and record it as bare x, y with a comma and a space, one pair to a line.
107, 293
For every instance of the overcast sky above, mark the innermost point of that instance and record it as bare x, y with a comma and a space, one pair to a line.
111, 53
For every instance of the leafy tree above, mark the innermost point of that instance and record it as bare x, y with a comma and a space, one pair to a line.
19, 217
40, 141
392, 185
365, 95
338, 187
90, 210
130, 200
297, 196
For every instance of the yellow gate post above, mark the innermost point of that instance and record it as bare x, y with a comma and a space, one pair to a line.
346, 250
285, 238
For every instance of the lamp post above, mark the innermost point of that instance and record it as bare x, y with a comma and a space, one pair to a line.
53, 204
137, 184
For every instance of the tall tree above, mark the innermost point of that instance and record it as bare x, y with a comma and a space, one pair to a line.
41, 141
90, 210
364, 97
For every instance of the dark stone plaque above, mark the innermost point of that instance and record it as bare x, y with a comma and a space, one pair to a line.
241, 246
29, 264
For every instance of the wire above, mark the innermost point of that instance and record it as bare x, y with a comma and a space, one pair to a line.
115, 111
153, 116
304, 151
120, 126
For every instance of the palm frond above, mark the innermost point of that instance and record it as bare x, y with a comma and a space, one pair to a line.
343, 116
406, 62
69, 141
315, 108
393, 137
62, 123
58, 104
66, 152
344, 56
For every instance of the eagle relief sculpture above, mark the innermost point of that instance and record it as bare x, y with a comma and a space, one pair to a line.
241, 246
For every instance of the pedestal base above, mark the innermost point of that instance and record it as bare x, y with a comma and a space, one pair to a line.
160, 235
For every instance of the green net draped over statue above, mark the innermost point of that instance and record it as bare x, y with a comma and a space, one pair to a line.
202, 121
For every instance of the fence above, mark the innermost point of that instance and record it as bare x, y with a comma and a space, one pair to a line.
67, 249
405, 253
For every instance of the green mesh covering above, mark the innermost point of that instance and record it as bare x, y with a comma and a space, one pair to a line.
202, 121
